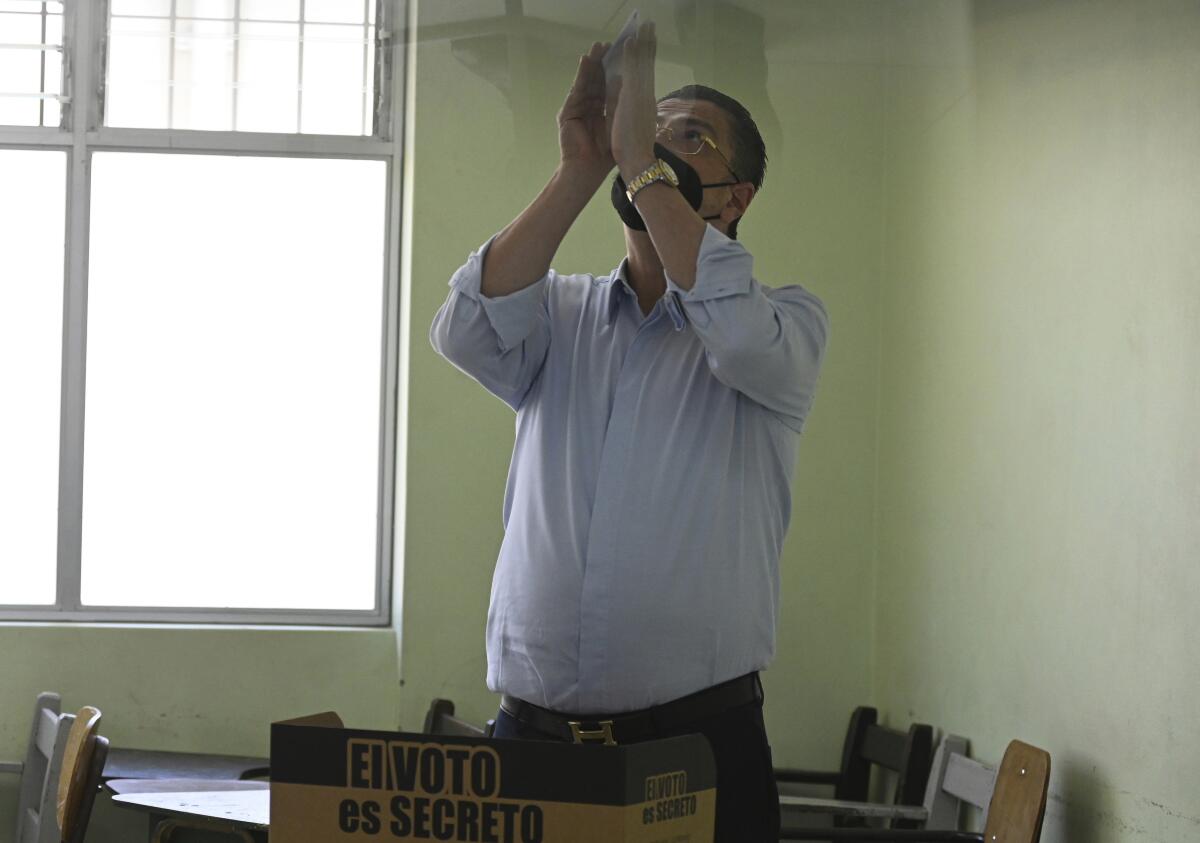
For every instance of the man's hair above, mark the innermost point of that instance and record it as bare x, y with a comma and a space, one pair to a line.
749, 157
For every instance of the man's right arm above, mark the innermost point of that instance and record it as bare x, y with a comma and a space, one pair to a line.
521, 253
495, 325
502, 343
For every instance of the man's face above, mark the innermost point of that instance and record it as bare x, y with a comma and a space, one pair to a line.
688, 120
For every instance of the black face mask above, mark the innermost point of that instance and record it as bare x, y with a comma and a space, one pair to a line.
689, 185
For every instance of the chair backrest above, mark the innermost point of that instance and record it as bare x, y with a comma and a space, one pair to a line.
1018, 803
970, 781
38, 821
440, 720
854, 778
92, 786
76, 776
39, 756
61, 774
908, 754
942, 803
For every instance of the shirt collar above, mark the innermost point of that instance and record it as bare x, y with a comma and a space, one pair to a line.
618, 289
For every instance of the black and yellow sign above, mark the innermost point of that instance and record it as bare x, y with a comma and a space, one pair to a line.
334, 784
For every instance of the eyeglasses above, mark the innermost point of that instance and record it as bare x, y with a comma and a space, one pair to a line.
689, 142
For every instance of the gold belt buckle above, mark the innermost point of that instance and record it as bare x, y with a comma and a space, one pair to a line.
604, 734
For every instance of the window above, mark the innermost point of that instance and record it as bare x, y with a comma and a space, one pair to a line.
242, 65
198, 313
32, 208
30, 62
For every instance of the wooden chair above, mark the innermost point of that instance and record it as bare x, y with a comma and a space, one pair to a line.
1013, 798
60, 775
938, 810
440, 720
39, 754
79, 778
851, 781
867, 743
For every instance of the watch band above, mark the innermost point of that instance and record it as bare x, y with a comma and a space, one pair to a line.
658, 171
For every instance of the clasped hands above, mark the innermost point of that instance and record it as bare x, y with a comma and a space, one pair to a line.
600, 128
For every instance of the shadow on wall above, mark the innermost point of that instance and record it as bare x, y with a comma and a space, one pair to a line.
529, 60
1091, 809
1085, 805
726, 45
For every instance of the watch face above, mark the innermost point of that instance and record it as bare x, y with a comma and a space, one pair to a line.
669, 173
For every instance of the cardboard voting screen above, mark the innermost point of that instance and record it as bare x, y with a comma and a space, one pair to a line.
331, 784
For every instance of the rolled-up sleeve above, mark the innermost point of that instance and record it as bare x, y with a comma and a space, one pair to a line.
500, 342
766, 343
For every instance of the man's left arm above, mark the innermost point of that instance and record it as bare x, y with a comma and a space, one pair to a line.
767, 344
768, 347
675, 229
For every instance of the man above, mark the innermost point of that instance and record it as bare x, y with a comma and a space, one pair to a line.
658, 408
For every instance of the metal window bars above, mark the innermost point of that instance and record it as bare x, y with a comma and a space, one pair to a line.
365, 32
44, 10
80, 133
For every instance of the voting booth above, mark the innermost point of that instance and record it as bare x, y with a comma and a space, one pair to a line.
330, 783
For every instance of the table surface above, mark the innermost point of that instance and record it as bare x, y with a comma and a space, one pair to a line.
122, 786
854, 809
164, 764
248, 808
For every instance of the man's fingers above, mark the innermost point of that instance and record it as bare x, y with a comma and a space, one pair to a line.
612, 96
647, 45
586, 70
638, 59
649, 51
644, 34
629, 56
595, 70
583, 88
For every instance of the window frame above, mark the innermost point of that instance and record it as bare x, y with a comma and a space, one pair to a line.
82, 133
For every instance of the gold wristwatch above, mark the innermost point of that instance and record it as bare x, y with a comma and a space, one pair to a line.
660, 170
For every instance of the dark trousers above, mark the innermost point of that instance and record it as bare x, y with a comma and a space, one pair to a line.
747, 798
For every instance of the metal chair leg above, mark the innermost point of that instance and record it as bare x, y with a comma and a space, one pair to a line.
165, 830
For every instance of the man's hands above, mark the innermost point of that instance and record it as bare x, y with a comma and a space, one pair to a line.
598, 128
521, 253
583, 130
635, 114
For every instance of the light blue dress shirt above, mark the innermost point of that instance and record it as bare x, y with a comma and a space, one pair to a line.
649, 490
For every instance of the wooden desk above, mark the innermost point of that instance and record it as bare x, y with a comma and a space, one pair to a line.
238, 808
158, 764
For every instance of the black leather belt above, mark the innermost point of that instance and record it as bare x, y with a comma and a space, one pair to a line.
635, 726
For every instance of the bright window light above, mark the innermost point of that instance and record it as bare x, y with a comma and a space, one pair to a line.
254, 65
32, 204
30, 62
231, 453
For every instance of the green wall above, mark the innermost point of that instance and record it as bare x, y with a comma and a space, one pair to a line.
191, 688
1039, 472
995, 520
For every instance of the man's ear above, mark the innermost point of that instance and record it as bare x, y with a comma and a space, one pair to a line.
740, 197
